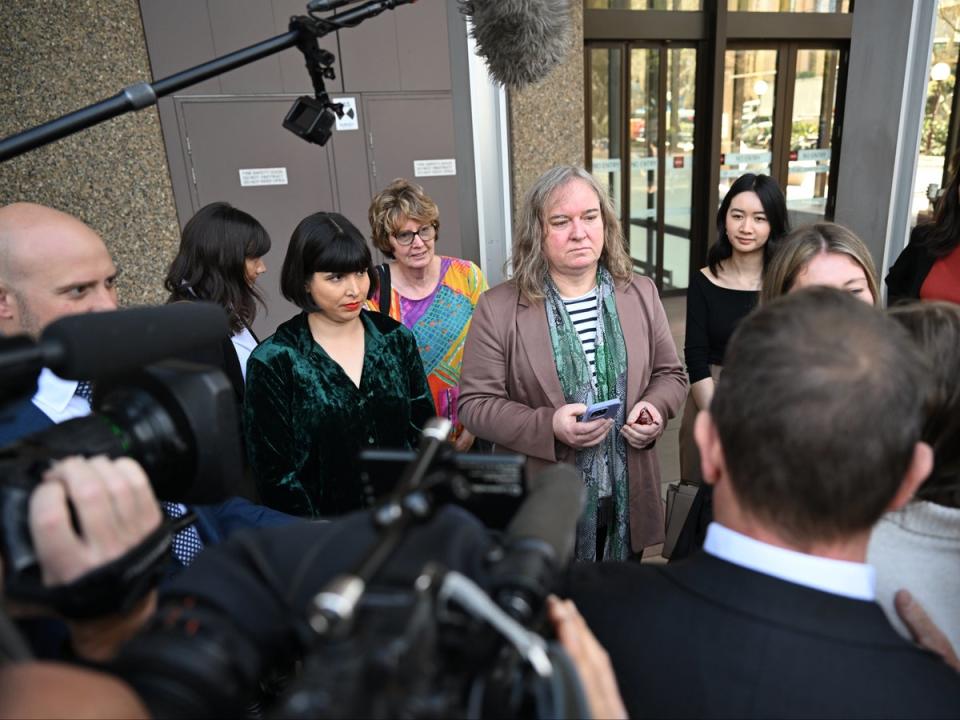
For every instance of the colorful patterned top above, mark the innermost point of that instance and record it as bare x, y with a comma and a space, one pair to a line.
440, 322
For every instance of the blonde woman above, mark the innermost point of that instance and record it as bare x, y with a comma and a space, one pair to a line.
822, 254
573, 327
433, 295
819, 254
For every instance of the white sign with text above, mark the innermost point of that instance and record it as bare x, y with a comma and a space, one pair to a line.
254, 177
434, 168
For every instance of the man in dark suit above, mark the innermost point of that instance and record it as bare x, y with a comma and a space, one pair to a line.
814, 432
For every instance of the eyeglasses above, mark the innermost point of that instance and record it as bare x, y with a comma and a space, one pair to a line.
426, 233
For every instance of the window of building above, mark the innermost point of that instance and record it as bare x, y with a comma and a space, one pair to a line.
938, 137
817, 6
679, 104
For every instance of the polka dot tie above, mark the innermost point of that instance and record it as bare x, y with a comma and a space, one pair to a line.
187, 542
85, 390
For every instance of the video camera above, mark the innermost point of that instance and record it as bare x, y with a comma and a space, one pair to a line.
414, 607
410, 609
178, 420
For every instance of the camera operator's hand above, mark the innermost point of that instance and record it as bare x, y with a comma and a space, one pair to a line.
115, 510
589, 657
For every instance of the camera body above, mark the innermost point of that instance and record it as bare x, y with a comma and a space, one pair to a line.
311, 119
177, 419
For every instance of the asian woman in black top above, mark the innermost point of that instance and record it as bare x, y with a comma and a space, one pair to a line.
750, 221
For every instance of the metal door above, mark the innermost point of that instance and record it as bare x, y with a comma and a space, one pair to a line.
411, 136
222, 138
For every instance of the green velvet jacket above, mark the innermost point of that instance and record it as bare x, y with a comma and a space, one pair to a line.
305, 421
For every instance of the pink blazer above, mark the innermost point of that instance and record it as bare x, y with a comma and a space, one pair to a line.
509, 387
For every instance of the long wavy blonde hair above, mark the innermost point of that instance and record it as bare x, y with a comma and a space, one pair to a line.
802, 245
530, 268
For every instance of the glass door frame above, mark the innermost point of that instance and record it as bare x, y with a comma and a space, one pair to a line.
626, 48
783, 107
713, 30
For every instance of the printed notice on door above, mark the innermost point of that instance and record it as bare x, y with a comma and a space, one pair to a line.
254, 177
349, 121
433, 168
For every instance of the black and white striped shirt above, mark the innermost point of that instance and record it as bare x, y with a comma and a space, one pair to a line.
583, 314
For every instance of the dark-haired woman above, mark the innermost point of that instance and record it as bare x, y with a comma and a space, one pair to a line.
750, 221
219, 260
331, 381
929, 267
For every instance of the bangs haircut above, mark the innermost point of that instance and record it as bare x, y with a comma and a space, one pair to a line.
210, 263
401, 200
258, 243
774, 207
323, 242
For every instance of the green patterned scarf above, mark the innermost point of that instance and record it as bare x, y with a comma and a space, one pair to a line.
604, 467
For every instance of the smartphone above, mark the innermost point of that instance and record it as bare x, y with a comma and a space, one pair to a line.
605, 409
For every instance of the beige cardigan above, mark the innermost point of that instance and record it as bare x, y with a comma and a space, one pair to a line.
509, 387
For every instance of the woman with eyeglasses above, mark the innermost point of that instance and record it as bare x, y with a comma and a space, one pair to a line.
433, 295
333, 380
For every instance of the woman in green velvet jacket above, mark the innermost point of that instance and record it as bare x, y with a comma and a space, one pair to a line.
331, 381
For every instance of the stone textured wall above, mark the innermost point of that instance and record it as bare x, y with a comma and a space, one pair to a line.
60, 55
547, 119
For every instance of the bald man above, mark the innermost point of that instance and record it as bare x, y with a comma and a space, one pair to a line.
51, 265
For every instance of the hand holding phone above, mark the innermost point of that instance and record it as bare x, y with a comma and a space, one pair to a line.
601, 410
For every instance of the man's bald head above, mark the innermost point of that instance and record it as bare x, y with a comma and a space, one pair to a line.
51, 265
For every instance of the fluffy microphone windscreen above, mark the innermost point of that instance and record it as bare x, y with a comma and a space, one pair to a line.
521, 40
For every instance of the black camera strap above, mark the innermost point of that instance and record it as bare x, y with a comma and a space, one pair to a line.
112, 588
386, 297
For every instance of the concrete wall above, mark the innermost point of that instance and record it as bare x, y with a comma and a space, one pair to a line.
886, 91
547, 119
55, 57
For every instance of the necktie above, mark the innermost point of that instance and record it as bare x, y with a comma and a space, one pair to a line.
85, 390
187, 542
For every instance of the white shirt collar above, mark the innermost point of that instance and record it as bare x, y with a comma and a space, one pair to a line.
56, 397
839, 577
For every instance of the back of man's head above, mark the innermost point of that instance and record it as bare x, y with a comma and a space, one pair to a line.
818, 411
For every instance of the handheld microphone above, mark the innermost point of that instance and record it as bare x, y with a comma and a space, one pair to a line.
539, 542
521, 40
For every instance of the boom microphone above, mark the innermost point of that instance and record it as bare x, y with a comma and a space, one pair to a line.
521, 40
539, 542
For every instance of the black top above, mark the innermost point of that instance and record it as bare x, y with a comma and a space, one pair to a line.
713, 313
911, 268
